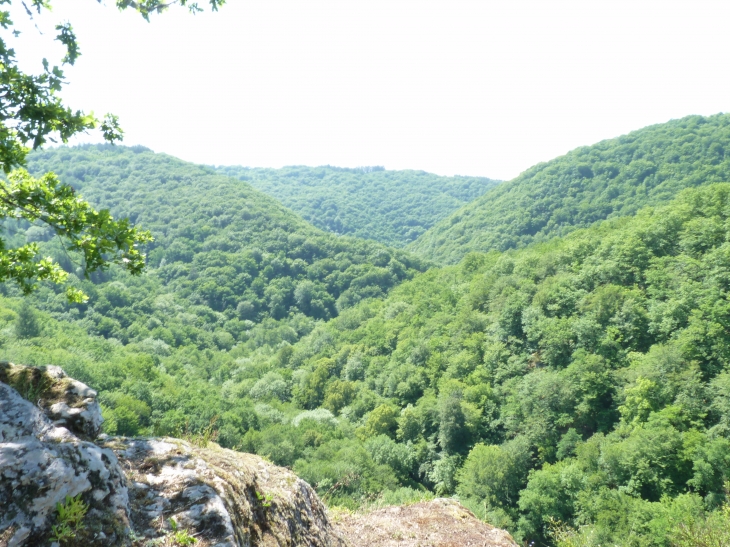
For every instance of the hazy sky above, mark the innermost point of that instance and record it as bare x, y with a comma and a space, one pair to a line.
452, 87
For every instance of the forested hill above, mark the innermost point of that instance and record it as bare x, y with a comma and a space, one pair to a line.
220, 244
610, 179
393, 207
584, 380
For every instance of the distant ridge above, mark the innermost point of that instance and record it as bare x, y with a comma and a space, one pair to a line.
612, 178
221, 243
370, 202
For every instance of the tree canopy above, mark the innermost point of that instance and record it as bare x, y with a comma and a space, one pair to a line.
613, 178
570, 383
221, 243
579, 383
393, 207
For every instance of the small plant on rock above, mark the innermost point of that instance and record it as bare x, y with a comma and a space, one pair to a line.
30, 385
264, 499
202, 438
180, 538
68, 520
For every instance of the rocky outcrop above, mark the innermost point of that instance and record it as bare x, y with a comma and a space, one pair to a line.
228, 498
66, 402
41, 464
167, 492
436, 523
136, 491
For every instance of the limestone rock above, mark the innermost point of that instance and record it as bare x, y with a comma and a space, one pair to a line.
230, 498
136, 490
41, 464
67, 402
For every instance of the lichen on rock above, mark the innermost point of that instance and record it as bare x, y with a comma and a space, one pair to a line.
67, 402
41, 464
135, 489
232, 498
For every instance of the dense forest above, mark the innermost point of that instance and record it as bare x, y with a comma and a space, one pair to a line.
573, 389
582, 380
393, 207
231, 273
221, 244
613, 178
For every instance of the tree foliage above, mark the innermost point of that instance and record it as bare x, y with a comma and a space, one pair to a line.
26, 324
222, 245
576, 376
573, 390
32, 114
613, 178
393, 207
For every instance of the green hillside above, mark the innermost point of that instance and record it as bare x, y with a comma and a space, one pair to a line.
583, 380
610, 179
393, 207
221, 244
231, 274
576, 388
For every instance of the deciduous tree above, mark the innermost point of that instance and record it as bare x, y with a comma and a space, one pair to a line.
33, 114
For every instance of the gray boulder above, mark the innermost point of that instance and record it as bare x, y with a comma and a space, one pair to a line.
66, 402
137, 491
41, 464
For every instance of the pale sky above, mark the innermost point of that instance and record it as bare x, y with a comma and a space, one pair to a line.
452, 87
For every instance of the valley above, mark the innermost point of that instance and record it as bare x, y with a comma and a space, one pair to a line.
551, 350
392, 207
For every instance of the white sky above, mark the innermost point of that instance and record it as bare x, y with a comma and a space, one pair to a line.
453, 87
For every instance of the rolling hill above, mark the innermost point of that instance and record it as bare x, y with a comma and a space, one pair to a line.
393, 207
221, 242
232, 274
581, 381
610, 179
571, 382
